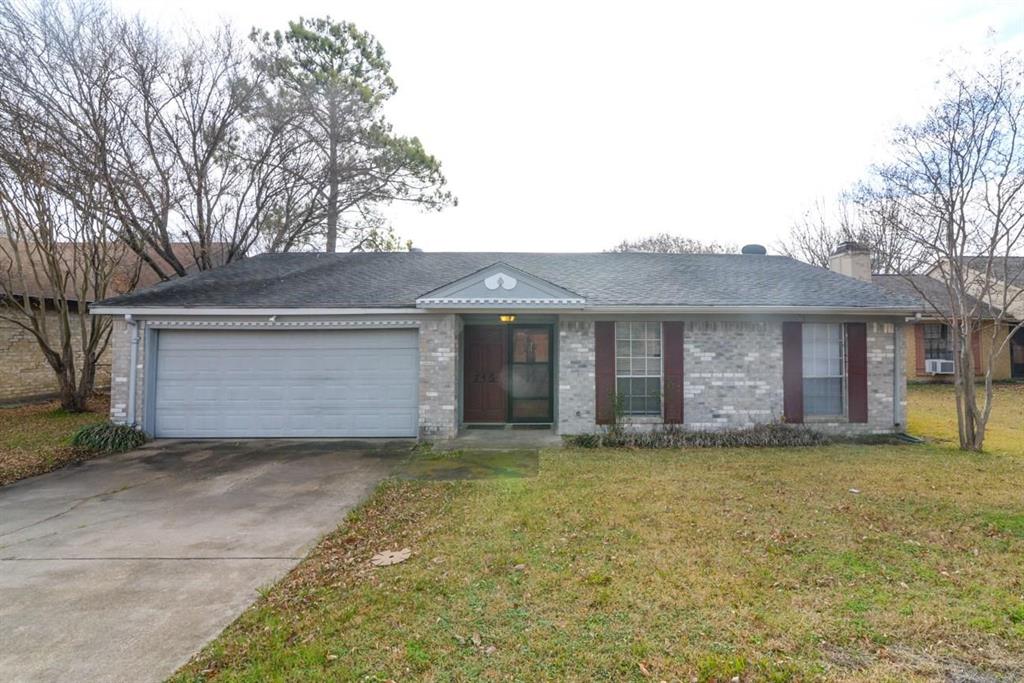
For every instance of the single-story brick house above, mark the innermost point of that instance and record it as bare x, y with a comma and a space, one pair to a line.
428, 344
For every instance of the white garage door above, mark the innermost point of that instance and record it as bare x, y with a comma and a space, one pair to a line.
294, 383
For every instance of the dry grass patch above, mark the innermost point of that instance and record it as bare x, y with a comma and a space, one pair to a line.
932, 413
662, 565
36, 438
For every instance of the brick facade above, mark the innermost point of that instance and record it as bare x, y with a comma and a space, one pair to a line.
25, 374
732, 377
120, 343
439, 376
576, 390
732, 373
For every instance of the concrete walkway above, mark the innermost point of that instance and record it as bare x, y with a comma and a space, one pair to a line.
121, 568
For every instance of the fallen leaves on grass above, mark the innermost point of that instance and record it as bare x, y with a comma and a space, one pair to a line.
20, 464
390, 557
34, 439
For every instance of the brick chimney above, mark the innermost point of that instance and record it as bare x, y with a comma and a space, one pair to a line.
851, 259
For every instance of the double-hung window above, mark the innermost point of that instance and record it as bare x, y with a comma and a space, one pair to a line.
824, 369
638, 367
937, 343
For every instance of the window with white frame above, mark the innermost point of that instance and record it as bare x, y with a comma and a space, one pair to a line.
638, 367
824, 361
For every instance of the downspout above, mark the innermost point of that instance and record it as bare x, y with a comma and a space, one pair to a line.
133, 361
897, 366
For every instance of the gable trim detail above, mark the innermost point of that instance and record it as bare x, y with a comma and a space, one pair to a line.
500, 284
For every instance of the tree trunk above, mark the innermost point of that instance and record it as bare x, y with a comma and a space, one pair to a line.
332, 180
971, 433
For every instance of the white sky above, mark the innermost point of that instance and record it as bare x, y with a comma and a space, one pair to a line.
571, 126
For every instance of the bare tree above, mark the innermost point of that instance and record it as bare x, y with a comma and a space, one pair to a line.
814, 237
957, 178
861, 216
187, 166
58, 253
666, 243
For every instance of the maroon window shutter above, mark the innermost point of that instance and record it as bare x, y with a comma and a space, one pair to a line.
793, 371
672, 350
857, 371
919, 347
604, 371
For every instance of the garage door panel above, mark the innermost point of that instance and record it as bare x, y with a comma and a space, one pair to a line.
287, 383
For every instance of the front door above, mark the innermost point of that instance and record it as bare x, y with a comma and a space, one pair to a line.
507, 373
485, 395
1017, 355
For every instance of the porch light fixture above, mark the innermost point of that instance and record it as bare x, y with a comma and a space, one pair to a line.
507, 318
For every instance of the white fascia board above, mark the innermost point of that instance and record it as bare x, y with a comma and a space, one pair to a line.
624, 310
498, 303
752, 310
680, 310
146, 311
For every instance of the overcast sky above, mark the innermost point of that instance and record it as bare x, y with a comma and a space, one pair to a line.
571, 126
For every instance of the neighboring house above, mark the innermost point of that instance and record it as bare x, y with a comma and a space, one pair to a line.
930, 339
429, 344
24, 373
1007, 273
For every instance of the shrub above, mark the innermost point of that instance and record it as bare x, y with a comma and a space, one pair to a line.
772, 435
107, 437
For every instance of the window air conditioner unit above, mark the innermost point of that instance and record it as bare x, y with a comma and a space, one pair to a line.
936, 366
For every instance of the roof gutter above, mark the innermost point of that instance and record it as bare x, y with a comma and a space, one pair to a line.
762, 310
219, 311
631, 310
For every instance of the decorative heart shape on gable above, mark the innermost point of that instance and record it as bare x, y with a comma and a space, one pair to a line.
501, 280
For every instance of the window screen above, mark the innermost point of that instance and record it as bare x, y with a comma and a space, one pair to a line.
638, 367
824, 369
937, 343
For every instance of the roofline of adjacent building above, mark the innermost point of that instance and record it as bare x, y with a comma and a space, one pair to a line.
632, 309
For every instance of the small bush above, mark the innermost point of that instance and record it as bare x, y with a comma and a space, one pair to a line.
107, 437
773, 435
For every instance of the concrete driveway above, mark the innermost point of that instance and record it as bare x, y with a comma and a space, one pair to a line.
121, 568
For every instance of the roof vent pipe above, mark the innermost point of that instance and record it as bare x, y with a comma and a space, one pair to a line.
755, 249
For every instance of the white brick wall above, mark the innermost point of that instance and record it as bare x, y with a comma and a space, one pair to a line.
575, 380
439, 376
732, 376
120, 343
732, 373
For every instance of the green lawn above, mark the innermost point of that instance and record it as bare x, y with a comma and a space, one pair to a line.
841, 563
36, 438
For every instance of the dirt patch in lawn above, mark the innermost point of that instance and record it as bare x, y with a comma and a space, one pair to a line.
471, 464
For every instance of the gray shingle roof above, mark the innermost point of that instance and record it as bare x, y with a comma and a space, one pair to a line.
372, 280
930, 293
